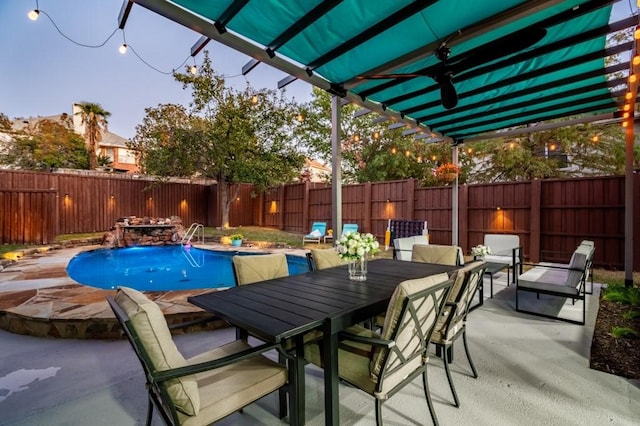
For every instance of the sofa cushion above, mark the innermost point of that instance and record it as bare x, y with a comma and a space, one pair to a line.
149, 323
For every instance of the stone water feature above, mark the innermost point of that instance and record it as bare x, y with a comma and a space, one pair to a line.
144, 231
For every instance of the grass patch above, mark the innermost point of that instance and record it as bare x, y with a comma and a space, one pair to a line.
624, 333
631, 315
7, 248
621, 294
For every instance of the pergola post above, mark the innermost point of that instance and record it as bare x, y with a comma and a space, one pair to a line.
336, 166
454, 199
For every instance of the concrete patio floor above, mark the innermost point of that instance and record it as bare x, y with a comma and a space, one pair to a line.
532, 371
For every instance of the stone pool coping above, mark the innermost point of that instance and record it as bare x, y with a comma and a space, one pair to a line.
38, 298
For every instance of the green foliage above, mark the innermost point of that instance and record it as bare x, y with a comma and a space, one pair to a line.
94, 119
44, 145
624, 332
631, 315
236, 236
233, 136
370, 153
582, 150
620, 294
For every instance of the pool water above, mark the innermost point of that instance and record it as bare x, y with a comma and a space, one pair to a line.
161, 268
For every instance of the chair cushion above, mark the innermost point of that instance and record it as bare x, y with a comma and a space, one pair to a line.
149, 323
262, 267
227, 389
394, 310
432, 253
326, 258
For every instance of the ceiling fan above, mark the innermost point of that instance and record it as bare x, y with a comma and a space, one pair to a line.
444, 72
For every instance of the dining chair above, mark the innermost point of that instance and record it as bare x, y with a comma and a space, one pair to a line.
198, 390
434, 253
381, 364
452, 322
249, 269
324, 258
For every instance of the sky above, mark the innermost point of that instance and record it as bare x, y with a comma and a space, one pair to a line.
42, 73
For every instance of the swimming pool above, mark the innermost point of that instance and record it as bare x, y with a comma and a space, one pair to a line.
161, 268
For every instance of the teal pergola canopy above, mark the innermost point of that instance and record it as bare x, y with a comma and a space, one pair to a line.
337, 45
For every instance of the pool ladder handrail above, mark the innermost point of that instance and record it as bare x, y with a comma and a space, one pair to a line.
192, 261
193, 229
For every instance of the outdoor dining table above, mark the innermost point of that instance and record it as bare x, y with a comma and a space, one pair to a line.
286, 308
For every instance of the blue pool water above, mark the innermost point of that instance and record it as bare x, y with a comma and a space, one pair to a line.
161, 268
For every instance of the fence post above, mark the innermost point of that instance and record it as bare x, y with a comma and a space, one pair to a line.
534, 220
410, 194
463, 218
281, 193
367, 208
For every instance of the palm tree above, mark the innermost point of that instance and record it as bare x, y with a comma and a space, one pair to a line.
94, 120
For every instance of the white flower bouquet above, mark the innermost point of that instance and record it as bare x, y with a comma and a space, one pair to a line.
353, 245
480, 250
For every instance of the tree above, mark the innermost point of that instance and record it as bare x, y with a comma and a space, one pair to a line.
370, 153
44, 145
94, 119
573, 151
233, 136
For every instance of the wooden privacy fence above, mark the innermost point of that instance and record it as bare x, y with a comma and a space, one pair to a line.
551, 217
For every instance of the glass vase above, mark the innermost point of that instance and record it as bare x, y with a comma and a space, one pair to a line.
358, 269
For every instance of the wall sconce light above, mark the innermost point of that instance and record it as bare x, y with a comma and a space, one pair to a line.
150, 198
498, 208
238, 199
112, 197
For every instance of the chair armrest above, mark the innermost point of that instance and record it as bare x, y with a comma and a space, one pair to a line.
374, 341
174, 373
191, 323
561, 267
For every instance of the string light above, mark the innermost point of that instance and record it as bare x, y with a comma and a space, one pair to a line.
193, 69
34, 15
254, 99
300, 118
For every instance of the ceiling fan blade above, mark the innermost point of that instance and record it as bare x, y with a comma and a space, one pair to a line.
389, 76
448, 94
504, 46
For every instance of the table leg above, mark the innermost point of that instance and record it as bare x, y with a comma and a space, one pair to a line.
491, 279
331, 403
299, 385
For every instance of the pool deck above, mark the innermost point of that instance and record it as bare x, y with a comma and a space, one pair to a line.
38, 298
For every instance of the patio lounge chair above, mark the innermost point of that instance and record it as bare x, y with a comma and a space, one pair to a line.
383, 364
346, 228
452, 322
198, 390
318, 231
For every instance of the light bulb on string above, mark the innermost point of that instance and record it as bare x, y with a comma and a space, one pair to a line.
33, 14
193, 69
123, 48
254, 99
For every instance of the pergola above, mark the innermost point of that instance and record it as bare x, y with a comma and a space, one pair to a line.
447, 70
